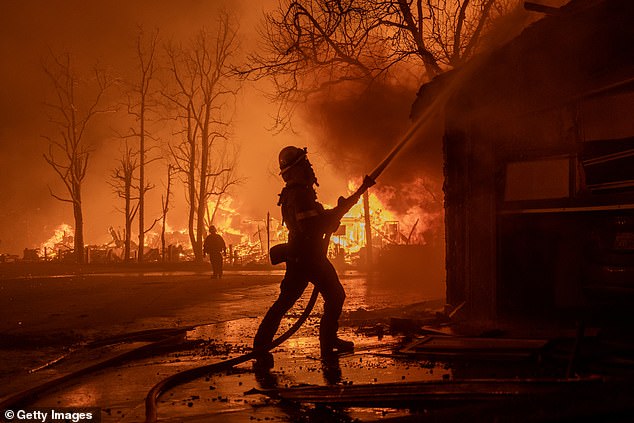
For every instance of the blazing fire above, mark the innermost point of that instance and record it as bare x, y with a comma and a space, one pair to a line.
248, 239
59, 243
386, 228
352, 235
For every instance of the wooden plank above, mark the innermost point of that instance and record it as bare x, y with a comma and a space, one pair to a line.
434, 391
472, 347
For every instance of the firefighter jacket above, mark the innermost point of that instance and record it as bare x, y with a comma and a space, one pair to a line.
309, 224
214, 244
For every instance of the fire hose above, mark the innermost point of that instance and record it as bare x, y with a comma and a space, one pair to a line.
191, 374
277, 256
23, 398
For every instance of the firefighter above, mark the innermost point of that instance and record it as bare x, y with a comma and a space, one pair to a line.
215, 246
309, 229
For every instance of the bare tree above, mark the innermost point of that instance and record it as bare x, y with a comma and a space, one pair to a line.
222, 183
140, 104
71, 112
165, 207
312, 44
202, 95
123, 185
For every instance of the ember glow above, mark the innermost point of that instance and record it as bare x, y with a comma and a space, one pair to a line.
248, 238
59, 243
387, 227
354, 224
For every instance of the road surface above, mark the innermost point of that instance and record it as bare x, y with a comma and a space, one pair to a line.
54, 325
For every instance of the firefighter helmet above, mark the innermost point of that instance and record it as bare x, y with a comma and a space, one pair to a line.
290, 156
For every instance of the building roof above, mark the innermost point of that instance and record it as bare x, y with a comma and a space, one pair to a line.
585, 49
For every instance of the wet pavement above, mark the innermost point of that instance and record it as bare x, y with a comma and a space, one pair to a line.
221, 326
228, 396
104, 340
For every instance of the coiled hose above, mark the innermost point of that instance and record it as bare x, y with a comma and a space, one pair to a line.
151, 408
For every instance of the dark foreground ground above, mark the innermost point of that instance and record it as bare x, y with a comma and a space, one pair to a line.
56, 320
102, 337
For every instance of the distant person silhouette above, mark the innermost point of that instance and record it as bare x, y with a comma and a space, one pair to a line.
309, 229
215, 246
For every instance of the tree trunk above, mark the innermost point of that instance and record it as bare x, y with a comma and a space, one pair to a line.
202, 192
368, 231
192, 206
165, 210
141, 189
79, 233
128, 225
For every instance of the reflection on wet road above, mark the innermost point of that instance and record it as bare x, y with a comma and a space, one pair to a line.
224, 316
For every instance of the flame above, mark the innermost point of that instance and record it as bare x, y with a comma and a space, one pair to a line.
352, 237
225, 216
62, 239
247, 238
387, 226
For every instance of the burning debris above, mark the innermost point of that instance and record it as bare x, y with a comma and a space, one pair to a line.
248, 239
59, 245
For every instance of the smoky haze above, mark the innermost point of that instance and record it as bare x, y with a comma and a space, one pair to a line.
104, 33
357, 131
347, 135
358, 128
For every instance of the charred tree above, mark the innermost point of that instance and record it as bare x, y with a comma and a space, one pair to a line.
165, 208
203, 90
122, 181
71, 113
140, 104
312, 44
221, 183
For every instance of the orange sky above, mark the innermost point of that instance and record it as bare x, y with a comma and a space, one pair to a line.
104, 32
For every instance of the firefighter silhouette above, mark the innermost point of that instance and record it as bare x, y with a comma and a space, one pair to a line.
215, 246
310, 227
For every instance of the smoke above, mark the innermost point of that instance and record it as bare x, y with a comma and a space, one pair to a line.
367, 125
356, 131
350, 131
358, 128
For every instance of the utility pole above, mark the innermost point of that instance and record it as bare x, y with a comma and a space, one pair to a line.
368, 230
268, 232
260, 239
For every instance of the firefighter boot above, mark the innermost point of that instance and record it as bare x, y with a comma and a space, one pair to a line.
339, 346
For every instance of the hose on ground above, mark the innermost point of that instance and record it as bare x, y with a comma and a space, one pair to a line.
151, 407
25, 397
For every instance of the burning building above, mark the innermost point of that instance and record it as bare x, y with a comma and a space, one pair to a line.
249, 239
59, 246
539, 178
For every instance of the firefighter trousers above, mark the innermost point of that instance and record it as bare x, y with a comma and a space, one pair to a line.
324, 276
216, 264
